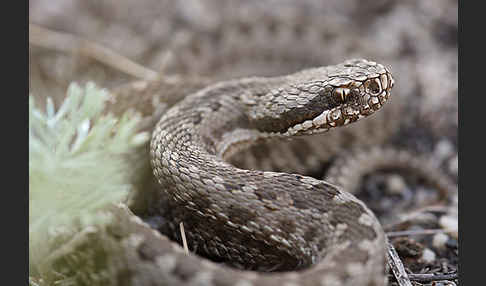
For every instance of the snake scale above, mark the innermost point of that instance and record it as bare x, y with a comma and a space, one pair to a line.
225, 165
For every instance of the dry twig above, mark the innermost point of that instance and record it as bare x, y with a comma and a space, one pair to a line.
68, 43
396, 266
418, 232
432, 277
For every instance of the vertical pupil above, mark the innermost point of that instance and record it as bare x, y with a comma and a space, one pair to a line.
338, 94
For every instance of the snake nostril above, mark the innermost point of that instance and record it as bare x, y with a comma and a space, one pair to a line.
373, 86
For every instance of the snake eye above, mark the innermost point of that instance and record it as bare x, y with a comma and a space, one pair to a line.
340, 94
373, 86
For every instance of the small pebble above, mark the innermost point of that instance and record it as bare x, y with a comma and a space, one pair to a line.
428, 255
407, 247
449, 223
439, 240
443, 283
453, 165
452, 243
423, 218
424, 195
396, 184
444, 149
455, 199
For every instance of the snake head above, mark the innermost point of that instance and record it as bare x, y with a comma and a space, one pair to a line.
316, 100
353, 90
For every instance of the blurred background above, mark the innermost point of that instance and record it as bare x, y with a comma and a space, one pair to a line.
417, 39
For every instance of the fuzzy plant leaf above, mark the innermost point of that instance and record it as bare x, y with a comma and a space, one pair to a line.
80, 160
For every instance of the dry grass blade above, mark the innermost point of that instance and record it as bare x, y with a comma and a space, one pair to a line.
184, 241
68, 43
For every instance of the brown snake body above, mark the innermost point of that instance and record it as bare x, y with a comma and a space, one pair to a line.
268, 220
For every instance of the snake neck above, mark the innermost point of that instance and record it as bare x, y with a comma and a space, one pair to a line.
221, 205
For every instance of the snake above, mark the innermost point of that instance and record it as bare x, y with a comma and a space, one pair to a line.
271, 228
272, 220
231, 155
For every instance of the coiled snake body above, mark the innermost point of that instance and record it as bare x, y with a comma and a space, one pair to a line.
281, 228
270, 220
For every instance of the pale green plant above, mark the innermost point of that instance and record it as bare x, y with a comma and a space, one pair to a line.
80, 160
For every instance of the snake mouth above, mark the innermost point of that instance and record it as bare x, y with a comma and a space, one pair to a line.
359, 101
